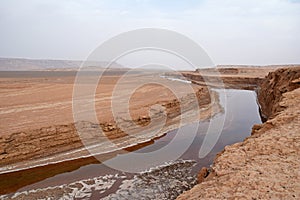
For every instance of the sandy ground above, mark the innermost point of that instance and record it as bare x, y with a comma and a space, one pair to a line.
40, 102
37, 119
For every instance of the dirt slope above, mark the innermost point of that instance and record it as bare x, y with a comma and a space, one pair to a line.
266, 165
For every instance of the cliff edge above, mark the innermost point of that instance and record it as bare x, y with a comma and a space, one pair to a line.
266, 164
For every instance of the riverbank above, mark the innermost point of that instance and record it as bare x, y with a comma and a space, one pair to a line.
265, 165
164, 181
40, 131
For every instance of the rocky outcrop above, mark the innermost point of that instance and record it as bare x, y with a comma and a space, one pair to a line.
266, 164
274, 86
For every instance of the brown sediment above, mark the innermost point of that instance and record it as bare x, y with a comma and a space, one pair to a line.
28, 136
266, 164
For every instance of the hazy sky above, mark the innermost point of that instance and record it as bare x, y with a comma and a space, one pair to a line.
231, 31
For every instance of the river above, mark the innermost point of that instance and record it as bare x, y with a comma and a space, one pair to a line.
167, 181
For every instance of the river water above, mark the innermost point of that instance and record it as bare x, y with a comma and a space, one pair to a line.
167, 181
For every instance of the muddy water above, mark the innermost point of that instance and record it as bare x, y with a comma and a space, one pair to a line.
167, 181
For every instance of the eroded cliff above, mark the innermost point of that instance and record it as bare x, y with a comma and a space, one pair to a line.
265, 165
271, 90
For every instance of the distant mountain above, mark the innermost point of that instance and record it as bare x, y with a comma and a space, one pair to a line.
258, 66
21, 64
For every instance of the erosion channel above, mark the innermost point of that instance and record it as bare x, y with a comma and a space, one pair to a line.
95, 180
